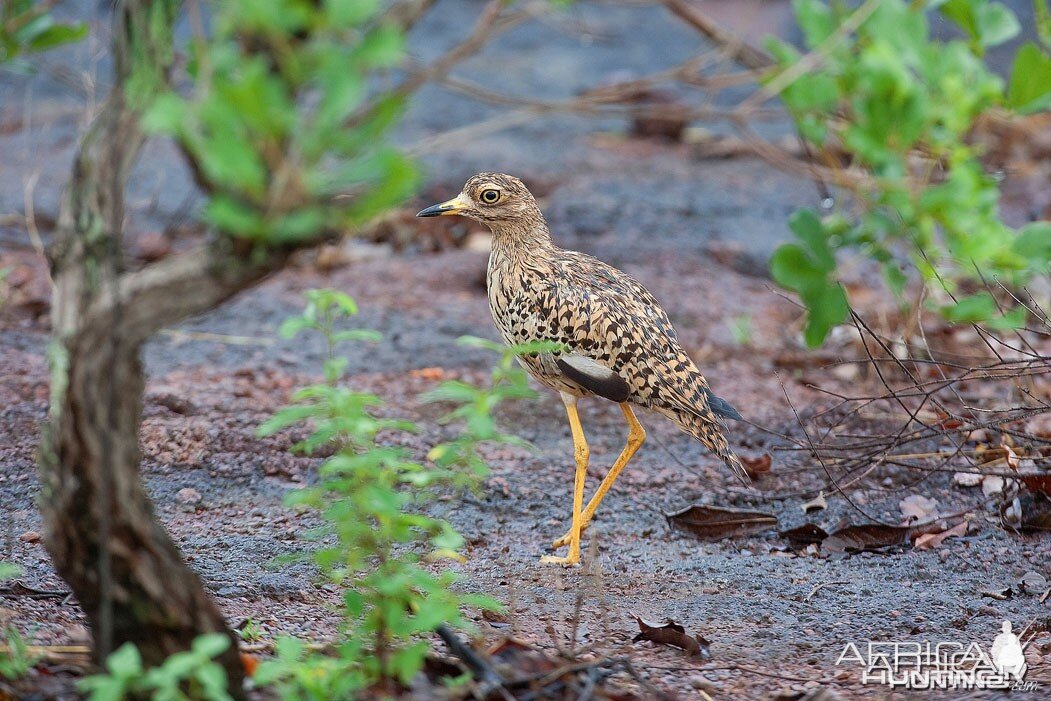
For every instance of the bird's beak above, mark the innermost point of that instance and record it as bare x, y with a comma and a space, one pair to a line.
454, 206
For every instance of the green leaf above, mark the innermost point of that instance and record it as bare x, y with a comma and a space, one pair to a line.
815, 19
792, 268
9, 571
210, 645
972, 309
1033, 245
827, 307
1029, 88
986, 23
57, 35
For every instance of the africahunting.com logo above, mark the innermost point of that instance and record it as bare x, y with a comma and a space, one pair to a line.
946, 664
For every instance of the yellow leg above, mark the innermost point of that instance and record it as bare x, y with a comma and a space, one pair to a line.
636, 437
580, 454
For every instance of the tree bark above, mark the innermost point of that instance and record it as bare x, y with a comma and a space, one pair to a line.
101, 530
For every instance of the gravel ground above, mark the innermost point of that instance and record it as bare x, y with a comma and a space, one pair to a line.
694, 231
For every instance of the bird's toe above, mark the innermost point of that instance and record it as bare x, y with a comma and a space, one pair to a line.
564, 561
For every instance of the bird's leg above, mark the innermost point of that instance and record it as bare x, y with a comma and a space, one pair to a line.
580, 454
636, 437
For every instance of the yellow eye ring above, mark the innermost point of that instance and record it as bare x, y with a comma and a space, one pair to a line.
490, 196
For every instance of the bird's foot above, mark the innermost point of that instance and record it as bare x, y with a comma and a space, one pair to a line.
565, 540
571, 561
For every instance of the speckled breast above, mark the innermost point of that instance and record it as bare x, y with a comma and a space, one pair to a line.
521, 307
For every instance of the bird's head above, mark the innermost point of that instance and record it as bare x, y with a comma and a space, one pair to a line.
494, 199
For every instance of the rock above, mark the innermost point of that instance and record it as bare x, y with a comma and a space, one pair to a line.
1033, 584
30, 537
279, 586
188, 496
704, 683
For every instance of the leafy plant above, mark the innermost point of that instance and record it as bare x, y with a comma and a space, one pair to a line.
285, 123
15, 658
476, 405
192, 675
379, 545
27, 26
250, 632
900, 106
324, 310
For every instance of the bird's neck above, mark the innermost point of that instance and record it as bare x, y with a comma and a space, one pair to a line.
525, 235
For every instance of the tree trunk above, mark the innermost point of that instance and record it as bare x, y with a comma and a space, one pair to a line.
101, 530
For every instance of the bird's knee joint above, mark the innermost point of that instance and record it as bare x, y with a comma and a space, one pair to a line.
582, 453
637, 436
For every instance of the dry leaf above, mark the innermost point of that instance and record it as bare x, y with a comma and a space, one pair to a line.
999, 594
671, 633
870, 536
1037, 483
816, 504
967, 479
1012, 456
1032, 583
918, 507
757, 467
801, 536
934, 540
716, 523
1034, 512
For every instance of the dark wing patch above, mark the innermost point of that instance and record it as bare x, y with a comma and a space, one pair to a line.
594, 377
721, 407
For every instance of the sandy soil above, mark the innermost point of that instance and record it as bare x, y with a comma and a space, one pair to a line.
695, 232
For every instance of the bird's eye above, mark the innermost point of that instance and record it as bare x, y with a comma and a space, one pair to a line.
490, 196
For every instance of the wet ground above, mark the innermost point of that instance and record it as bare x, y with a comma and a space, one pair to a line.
695, 232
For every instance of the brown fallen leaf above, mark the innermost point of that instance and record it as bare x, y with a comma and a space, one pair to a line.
717, 523
926, 541
865, 537
671, 633
1037, 483
999, 594
801, 536
757, 467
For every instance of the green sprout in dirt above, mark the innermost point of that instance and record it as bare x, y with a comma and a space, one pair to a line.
191, 675
325, 309
379, 546
15, 658
900, 106
476, 405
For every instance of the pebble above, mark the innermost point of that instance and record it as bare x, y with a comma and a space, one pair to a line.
704, 683
30, 537
188, 495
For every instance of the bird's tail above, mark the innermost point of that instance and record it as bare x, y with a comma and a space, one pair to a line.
709, 431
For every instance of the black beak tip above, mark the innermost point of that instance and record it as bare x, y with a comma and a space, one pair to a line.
433, 211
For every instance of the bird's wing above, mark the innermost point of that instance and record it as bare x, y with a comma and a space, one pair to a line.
615, 322
594, 377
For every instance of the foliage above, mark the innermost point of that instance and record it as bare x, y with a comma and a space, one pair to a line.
191, 674
377, 541
507, 382
15, 658
27, 26
284, 124
901, 106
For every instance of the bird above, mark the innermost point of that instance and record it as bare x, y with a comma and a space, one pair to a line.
614, 339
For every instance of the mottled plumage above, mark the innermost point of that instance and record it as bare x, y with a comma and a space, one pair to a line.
623, 346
